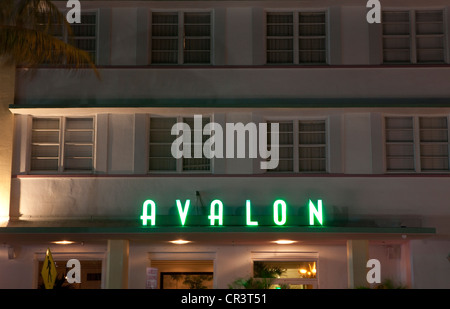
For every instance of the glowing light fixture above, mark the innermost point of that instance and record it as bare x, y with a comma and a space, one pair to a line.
180, 242
63, 242
311, 273
284, 241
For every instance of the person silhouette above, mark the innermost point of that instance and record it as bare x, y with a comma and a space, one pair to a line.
49, 268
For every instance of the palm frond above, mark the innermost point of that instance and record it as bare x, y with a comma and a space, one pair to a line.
6, 11
44, 13
31, 47
29, 35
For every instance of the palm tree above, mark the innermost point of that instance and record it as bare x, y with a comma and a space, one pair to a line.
27, 29
26, 38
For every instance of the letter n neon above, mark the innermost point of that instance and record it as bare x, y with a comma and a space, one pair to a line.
313, 212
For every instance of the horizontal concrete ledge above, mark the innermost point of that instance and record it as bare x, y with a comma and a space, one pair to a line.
263, 175
214, 66
218, 229
231, 103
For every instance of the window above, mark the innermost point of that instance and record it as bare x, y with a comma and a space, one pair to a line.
62, 144
399, 143
416, 144
184, 274
285, 274
296, 38
302, 146
186, 280
312, 146
160, 155
84, 34
181, 38
413, 37
196, 164
161, 140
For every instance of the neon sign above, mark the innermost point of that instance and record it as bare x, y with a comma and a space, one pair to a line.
216, 213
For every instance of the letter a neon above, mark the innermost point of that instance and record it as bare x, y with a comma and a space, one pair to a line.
145, 215
212, 217
183, 211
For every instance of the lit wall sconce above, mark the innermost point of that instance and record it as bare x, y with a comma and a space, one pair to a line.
180, 242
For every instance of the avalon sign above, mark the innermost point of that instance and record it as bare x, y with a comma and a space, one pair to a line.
216, 213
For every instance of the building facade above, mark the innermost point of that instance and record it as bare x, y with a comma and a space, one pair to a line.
363, 159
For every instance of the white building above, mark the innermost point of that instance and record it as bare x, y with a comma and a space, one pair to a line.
363, 111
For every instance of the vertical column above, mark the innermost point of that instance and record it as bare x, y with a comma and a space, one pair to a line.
334, 37
101, 152
220, 47
123, 36
142, 36
376, 127
358, 152
104, 36
336, 144
140, 137
258, 36
117, 264
239, 44
7, 84
357, 257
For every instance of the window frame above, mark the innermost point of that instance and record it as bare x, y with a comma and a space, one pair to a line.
296, 144
179, 162
296, 36
61, 146
412, 27
181, 38
417, 156
273, 257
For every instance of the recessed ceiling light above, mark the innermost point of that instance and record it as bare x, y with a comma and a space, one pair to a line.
63, 242
180, 242
284, 241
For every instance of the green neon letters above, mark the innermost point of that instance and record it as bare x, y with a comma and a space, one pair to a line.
248, 207
216, 212
213, 216
183, 211
145, 215
276, 212
313, 212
